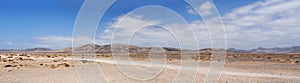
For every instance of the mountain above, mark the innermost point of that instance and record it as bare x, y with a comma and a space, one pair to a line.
233, 50
266, 50
276, 50
65, 50
38, 49
294, 49
27, 50
89, 48
114, 48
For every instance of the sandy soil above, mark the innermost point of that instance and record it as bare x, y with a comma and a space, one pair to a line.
43, 68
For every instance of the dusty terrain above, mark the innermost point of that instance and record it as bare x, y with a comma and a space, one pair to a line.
60, 68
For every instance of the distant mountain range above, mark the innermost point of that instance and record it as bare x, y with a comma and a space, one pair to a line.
135, 49
277, 50
27, 50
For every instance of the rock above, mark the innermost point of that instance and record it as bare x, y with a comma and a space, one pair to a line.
281, 60
10, 66
54, 66
290, 60
20, 58
10, 57
84, 61
169, 59
258, 56
66, 65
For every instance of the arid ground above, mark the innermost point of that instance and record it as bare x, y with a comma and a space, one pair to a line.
60, 68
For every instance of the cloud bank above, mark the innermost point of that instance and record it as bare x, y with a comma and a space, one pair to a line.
269, 23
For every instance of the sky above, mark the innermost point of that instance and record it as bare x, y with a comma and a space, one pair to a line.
248, 23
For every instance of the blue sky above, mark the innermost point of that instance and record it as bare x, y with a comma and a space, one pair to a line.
28, 23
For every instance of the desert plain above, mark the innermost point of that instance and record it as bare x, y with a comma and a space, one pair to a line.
61, 68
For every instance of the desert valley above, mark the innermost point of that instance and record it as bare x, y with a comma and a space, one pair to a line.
58, 66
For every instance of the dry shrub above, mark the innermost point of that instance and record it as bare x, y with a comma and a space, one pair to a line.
66, 65
53, 66
84, 61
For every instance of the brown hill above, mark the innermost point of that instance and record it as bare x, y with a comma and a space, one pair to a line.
89, 48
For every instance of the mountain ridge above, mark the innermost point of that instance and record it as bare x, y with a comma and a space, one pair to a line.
136, 49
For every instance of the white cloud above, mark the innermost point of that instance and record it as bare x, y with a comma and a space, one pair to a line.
192, 11
154, 35
58, 42
269, 23
124, 27
52, 42
205, 9
8, 43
